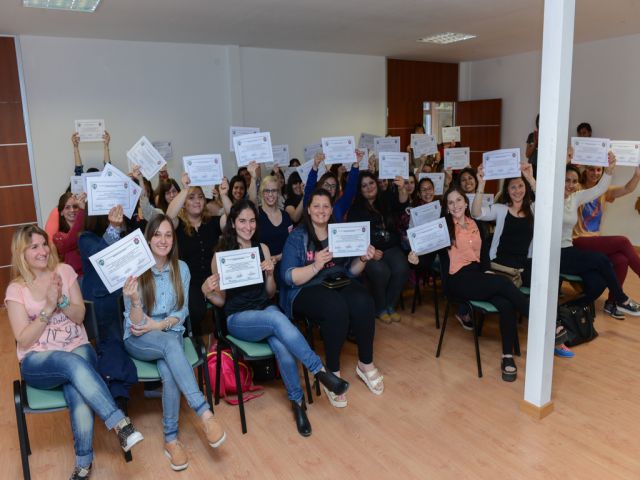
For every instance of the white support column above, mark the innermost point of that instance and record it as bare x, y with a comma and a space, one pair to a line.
555, 94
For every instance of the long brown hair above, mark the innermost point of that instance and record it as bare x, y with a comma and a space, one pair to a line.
146, 281
447, 215
526, 200
63, 226
204, 216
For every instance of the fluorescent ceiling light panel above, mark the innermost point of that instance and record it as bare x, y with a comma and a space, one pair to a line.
447, 37
71, 5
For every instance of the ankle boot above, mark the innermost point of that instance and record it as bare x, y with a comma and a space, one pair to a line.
333, 383
300, 416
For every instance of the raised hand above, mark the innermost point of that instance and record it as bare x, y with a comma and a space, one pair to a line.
211, 284
322, 257
130, 289
186, 181
318, 158
116, 216
75, 140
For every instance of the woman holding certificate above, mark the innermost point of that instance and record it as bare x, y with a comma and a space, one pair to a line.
389, 270
252, 317
155, 310
318, 287
70, 224
46, 313
273, 222
197, 235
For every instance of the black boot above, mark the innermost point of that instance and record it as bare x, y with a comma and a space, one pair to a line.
333, 383
300, 416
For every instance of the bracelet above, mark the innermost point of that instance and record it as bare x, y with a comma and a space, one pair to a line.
64, 302
44, 317
363, 259
136, 305
166, 329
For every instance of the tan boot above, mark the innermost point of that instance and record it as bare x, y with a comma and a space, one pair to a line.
177, 455
214, 432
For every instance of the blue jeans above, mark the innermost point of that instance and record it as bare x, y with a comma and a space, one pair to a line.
283, 337
84, 390
167, 348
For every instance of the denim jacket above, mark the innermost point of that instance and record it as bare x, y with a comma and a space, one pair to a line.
294, 256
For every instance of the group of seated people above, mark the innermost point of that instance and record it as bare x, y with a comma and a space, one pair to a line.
288, 223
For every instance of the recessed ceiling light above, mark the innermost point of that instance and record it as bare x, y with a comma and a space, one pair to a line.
72, 5
447, 37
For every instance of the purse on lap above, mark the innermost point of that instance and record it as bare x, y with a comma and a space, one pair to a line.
513, 274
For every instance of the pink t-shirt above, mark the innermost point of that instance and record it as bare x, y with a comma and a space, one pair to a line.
61, 333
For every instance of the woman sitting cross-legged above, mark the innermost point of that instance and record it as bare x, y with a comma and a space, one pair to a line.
46, 312
307, 266
252, 317
155, 311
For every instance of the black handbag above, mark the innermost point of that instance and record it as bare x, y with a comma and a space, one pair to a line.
578, 322
336, 282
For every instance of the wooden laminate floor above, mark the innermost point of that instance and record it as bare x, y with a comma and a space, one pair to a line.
435, 420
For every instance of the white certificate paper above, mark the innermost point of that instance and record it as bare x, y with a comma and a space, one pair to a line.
338, 150
590, 151
424, 213
105, 192
287, 171
254, 147
487, 199
386, 144
429, 237
85, 176
393, 164
423, 145
627, 152
238, 268
147, 157
280, 155
503, 163
311, 150
128, 257
77, 185
349, 239
235, 131
90, 130
450, 134
437, 179
304, 169
367, 141
203, 170
112, 173
456, 158
164, 148
362, 164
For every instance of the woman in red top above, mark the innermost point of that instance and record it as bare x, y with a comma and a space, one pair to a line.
70, 225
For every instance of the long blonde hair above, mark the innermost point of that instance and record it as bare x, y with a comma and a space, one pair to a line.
182, 215
21, 240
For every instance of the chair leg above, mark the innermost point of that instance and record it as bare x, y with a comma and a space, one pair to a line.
307, 384
444, 326
218, 369
475, 341
309, 329
204, 371
236, 369
435, 303
517, 346
23, 438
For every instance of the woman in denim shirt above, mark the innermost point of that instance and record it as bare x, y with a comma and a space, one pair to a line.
156, 305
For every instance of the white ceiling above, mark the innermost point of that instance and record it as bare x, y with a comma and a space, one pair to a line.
375, 27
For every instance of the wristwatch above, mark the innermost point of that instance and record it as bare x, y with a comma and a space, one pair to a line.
43, 317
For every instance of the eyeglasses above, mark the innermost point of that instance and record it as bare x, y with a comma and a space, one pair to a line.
270, 191
330, 186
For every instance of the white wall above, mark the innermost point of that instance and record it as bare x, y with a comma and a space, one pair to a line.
604, 93
189, 94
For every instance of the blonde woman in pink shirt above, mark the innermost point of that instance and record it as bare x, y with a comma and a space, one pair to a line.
46, 312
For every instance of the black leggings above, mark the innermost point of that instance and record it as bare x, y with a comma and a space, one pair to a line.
387, 277
334, 310
471, 283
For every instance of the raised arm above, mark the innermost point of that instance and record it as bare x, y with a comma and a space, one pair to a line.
77, 161
312, 179
178, 201
629, 187
253, 169
106, 138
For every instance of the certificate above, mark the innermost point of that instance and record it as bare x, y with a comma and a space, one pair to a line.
164, 148
254, 147
627, 153
147, 157
367, 141
487, 199
393, 164
590, 151
456, 158
238, 268
304, 169
362, 164
425, 213
280, 155
503, 163
287, 171
104, 193
203, 169
437, 179
128, 257
386, 144
338, 150
349, 239
235, 131
311, 150
111, 172
77, 185
85, 176
90, 130
450, 134
423, 145
429, 237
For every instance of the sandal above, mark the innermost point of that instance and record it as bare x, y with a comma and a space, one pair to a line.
373, 380
509, 369
338, 401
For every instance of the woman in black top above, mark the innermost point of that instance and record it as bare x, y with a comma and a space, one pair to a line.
252, 317
197, 235
293, 204
389, 270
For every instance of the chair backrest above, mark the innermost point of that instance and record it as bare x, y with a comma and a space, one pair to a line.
90, 321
